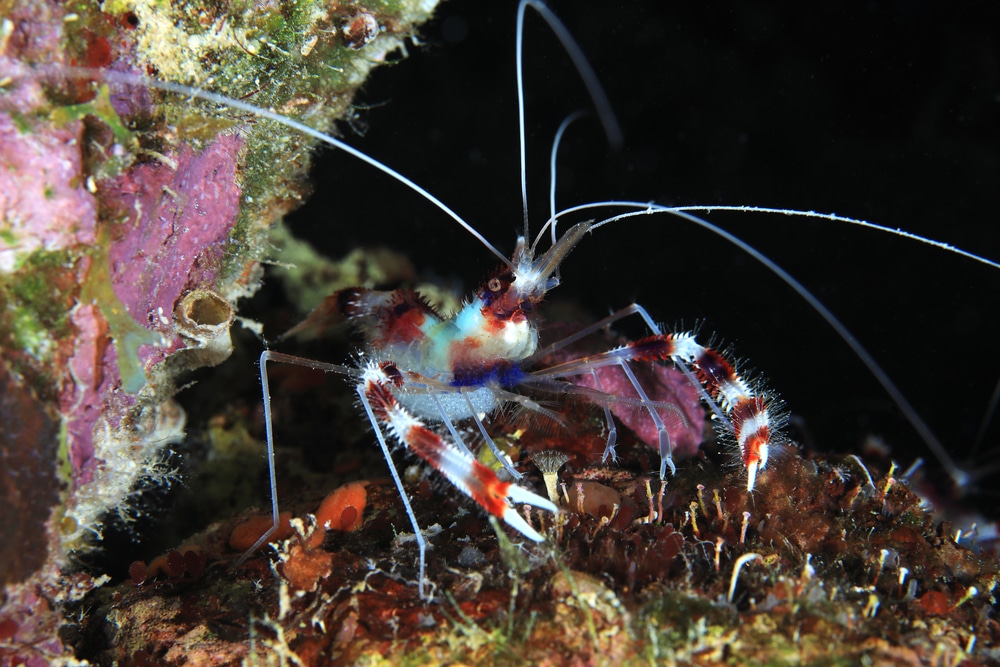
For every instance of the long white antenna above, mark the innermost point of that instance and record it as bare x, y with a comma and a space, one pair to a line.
61, 72
959, 476
587, 74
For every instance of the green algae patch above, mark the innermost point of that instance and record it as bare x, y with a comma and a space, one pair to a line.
101, 107
127, 334
34, 304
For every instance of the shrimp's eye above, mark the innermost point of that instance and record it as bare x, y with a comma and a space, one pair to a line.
495, 285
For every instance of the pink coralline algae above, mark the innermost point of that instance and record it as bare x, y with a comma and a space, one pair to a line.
136, 243
175, 219
93, 354
43, 204
179, 219
120, 206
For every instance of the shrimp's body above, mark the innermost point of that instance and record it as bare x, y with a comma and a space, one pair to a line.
422, 373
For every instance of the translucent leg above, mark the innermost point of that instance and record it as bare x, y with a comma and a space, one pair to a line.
266, 356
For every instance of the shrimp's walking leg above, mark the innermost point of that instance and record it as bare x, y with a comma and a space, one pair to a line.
755, 416
265, 357
636, 309
363, 394
509, 467
609, 447
465, 472
665, 448
446, 420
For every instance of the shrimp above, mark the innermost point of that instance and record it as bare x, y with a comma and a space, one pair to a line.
739, 111
526, 274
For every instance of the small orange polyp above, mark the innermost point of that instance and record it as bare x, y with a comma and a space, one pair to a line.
245, 534
341, 510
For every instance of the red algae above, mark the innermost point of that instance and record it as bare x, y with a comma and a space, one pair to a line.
187, 561
304, 567
118, 201
304, 563
935, 603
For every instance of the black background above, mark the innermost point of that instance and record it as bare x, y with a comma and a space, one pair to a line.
886, 112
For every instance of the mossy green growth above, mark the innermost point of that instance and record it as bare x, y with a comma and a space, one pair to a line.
34, 315
64, 467
126, 333
101, 107
512, 554
39, 291
289, 57
309, 277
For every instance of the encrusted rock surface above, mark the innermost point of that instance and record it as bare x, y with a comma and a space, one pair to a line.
117, 204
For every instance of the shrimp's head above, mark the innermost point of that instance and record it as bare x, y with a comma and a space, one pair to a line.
511, 293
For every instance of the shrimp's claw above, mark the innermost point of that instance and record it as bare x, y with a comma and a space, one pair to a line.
752, 469
496, 496
518, 494
471, 477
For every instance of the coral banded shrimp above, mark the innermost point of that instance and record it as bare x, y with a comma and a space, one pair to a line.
743, 107
355, 297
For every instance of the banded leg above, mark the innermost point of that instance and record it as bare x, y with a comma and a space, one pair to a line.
670, 416
462, 470
685, 435
755, 416
654, 328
